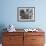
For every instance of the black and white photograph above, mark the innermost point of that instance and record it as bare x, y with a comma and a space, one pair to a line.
26, 14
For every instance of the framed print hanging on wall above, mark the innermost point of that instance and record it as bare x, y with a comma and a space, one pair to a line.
26, 14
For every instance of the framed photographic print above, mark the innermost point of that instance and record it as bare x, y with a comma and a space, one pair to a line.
26, 14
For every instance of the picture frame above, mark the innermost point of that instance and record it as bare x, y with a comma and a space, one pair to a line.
26, 14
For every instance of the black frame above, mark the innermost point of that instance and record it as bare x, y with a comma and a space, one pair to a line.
25, 20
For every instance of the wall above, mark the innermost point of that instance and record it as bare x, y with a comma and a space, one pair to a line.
9, 13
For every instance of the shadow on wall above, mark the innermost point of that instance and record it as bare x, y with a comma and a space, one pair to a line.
2, 26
